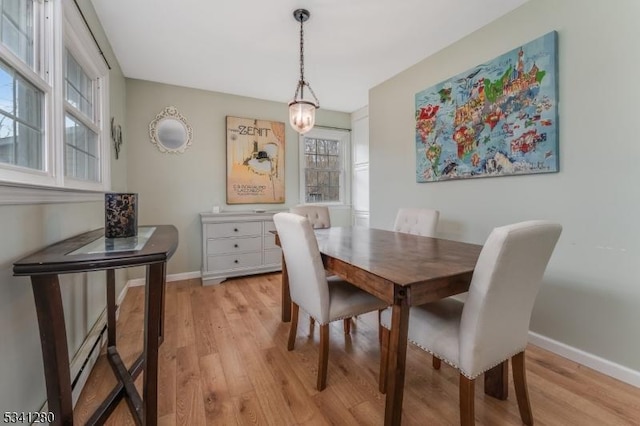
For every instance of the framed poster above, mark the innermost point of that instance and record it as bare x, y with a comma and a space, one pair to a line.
255, 161
499, 118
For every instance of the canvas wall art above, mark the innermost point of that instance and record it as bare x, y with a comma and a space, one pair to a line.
499, 118
255, 161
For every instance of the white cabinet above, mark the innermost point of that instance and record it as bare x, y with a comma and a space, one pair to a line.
239, 243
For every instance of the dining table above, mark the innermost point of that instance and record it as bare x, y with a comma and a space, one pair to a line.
404, 270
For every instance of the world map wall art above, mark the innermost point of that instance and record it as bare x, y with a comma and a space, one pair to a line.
497, 119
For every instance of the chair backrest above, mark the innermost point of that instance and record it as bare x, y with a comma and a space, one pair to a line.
307, 279
417, 221
317, 215
507, 277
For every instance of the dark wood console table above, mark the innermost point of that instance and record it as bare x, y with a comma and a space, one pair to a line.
91, 252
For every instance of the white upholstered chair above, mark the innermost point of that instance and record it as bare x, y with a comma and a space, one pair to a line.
319, 218
318, 215
492, 325
417, 221
325, 299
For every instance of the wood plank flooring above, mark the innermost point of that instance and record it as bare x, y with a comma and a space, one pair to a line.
224, 362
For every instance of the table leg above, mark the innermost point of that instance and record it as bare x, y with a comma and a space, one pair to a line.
397, 356
286, 297
111, 307
53, 339
496, 381
162, 296
153, 315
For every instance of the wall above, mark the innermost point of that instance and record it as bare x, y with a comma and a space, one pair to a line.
360, 166
589, 299
27, 228
175, 188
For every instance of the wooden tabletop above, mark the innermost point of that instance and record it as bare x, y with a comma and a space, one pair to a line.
402, 259
56, 258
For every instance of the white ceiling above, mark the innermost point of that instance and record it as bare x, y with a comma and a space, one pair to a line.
251, 47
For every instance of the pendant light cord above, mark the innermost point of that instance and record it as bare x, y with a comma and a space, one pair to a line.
302, 82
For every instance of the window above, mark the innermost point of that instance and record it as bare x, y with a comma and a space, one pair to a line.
81, 129
21, 124
323, 160
53, 98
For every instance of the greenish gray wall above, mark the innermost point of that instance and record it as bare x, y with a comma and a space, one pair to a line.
175, 188
589, 299
27, 228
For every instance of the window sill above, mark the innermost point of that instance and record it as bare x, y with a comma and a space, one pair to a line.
25, 194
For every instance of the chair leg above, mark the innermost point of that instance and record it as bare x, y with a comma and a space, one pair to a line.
384, 359
467, 415
323, 361
293, 330
435, 361
520, 383
347, 325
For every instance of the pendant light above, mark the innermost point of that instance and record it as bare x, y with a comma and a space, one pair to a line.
302, 113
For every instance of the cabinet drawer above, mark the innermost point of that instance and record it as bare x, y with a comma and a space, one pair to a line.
233, 229
269, 226
270, 241
273, 257
234, 261
233, 245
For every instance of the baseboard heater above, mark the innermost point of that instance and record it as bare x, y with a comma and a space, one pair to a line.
96, 346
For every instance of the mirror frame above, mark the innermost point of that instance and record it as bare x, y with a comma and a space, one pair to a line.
170, 113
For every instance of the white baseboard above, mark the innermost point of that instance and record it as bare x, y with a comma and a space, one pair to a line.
120, 299
604, 366
136, 282
85, 358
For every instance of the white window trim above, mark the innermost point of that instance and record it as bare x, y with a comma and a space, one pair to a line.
18, 186
344, 135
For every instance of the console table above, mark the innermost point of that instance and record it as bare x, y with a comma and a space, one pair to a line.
90, 251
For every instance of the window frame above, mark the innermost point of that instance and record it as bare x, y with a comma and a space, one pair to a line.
58, 26
344, 137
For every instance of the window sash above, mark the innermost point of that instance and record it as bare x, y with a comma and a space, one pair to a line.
82, 153
323, 157
323, 168
18, 29
79, 87
21, 121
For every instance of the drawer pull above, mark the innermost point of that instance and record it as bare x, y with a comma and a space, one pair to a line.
235, 229
235, 246
235, 261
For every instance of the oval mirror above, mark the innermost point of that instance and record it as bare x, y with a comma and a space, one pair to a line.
170, 132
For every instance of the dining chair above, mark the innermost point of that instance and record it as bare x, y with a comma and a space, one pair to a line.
325, 299
417, 221
319, 218
492, 325
318, 215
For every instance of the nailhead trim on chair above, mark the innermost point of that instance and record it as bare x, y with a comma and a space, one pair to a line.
454, 365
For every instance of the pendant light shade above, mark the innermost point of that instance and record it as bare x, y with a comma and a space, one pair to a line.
302, 116
302, 112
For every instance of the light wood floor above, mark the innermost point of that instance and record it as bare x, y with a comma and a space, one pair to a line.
224, 362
